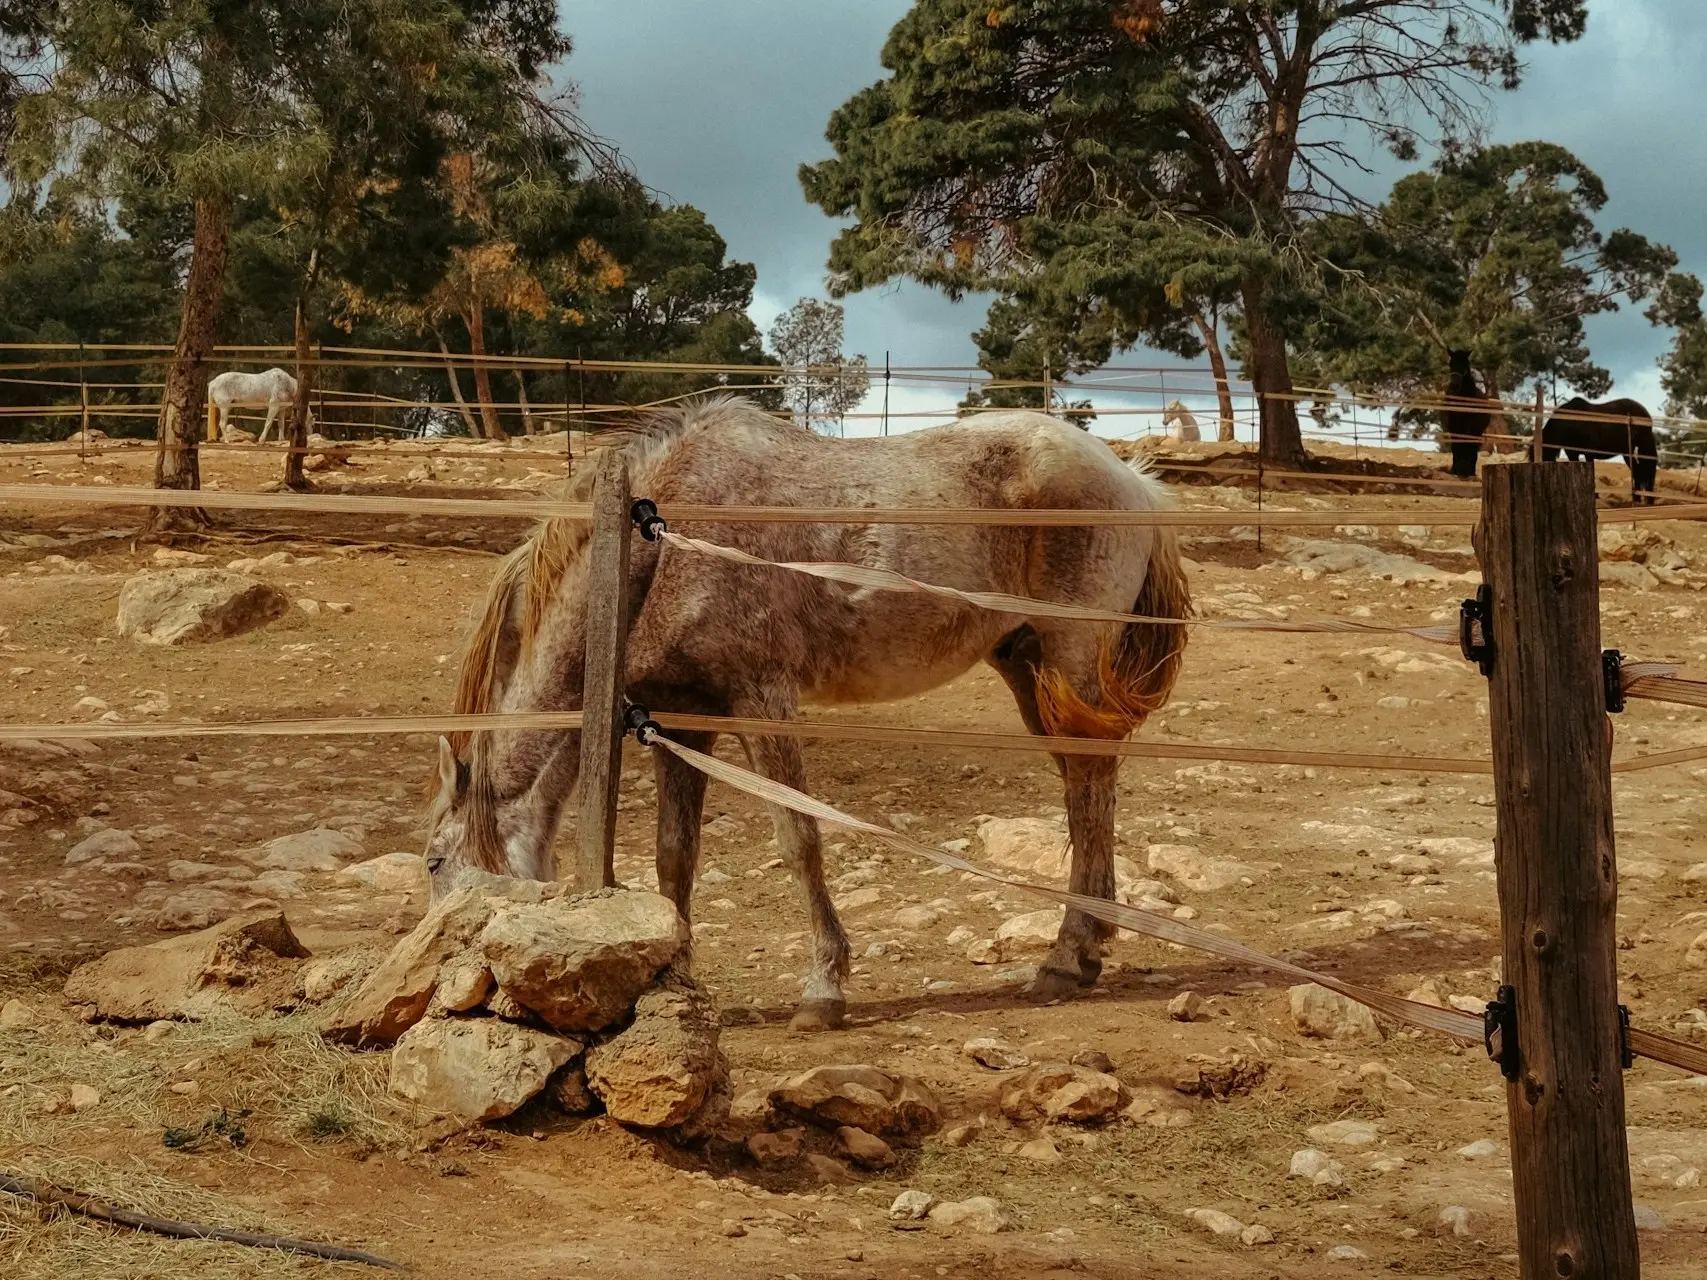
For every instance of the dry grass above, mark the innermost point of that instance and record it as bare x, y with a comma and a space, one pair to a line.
39, 1244
277, 1074
258, 1081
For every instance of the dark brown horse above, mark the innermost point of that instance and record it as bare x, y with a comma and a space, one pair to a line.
1589, 432
1465, 424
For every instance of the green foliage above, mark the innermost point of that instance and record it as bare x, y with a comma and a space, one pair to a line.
1683, 369
1494, 251
821, 383
1115, 167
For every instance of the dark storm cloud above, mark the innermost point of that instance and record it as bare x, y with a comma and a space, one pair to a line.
718, 104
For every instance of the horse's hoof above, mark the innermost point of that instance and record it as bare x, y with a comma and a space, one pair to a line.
820, 1015
1052, 984
1090, 971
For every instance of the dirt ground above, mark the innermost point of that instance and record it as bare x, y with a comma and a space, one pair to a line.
326, 1155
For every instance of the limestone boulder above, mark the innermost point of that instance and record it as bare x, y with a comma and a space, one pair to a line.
580, 963
395, 996
891, 1106
390, 873
245, 964
1327, 1015
1199, 872
1030, 931
196, 606
666, 1065
102, 845
475, 1069
1035, 847
321, 849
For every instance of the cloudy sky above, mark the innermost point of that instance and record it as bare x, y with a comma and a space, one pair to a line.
718, 104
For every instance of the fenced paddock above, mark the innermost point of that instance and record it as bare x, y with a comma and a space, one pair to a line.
1206, 761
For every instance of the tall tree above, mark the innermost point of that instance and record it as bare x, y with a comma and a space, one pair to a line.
1493, 251
1683, 368
215, 103
1144, 143
819, 383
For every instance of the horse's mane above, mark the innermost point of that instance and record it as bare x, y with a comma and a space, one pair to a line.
526, 583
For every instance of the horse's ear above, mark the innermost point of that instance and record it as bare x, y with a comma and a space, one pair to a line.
447, 769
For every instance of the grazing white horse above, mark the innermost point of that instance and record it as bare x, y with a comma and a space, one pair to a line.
275, 388
1179, 422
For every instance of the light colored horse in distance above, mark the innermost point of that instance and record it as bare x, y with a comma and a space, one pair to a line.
1179, 422
715, 638
275, 389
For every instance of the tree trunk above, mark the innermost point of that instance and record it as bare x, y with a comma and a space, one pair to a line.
476, 318
522, 400
456, 388
1282, 444
295, 477
1218, 366
183, 410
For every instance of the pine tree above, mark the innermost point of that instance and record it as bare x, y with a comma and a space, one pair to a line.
1126, 163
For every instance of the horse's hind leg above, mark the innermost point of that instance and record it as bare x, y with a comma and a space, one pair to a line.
681, 802
822, 1004
1075, 961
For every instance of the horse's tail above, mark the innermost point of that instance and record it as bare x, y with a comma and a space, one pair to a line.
1136, 670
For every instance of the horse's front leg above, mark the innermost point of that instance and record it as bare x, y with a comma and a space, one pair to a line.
267, 426
822, 1005
681, 804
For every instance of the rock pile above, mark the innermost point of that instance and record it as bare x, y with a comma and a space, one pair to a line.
511, 989
829, 1117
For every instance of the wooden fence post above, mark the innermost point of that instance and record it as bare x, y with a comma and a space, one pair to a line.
602, 688
1557, 873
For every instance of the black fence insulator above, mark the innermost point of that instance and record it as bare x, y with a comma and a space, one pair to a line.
1626, 1056
1612, 668
644, 513
1476, 629
638, 720
1499, 1031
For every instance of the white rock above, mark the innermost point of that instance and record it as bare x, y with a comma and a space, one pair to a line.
995, 1054
1694, 874
15, 1015
1196, 871
961, 936
1695, 957
1035, 930
1480, 1149
983, 1214
1185, 1007
1327, 1015
1256, 1234
1035, 846
1347, 1253
1648, 1219
277, 885
475, 1069
915, 918
1457, 1217
1215, 1222
195, 606
321, 849
1466, 851
1343, 1133
111, 843
1317, 1167
390, 872
911, 1206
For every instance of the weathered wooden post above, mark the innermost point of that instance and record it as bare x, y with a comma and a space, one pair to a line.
1557, 873
602, 687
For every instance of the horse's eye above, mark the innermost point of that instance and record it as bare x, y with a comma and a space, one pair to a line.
434, 863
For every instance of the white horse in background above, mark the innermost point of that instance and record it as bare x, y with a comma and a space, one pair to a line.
1179, 422
275, 389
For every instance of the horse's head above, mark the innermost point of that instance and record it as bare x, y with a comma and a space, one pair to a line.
478, 821
1458, 360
